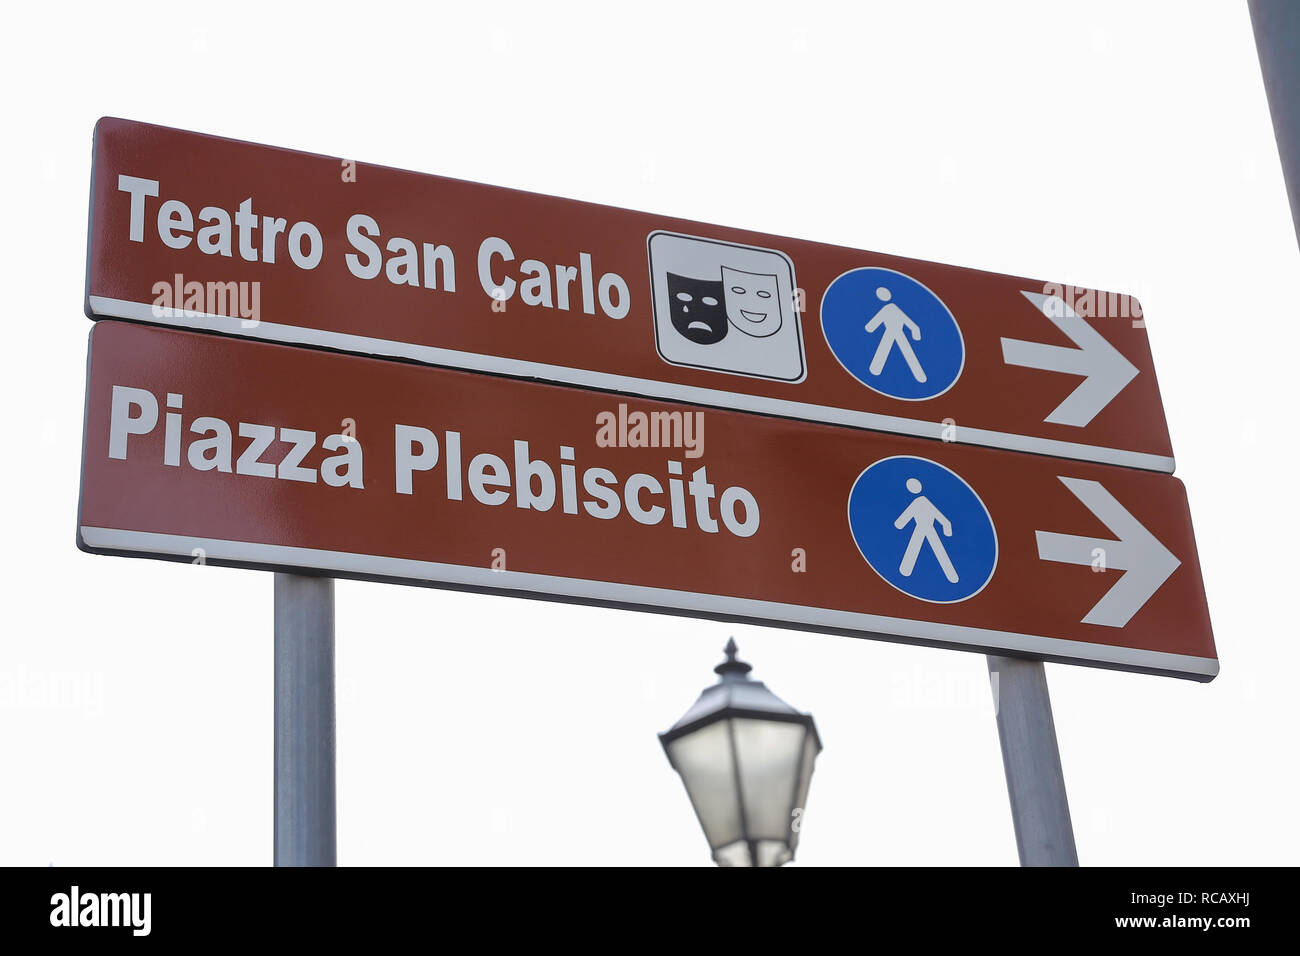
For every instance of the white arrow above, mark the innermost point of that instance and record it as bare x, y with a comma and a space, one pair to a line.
1104, 369
1146, 562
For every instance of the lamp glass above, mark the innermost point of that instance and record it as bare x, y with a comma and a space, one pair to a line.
704, 760
770, 755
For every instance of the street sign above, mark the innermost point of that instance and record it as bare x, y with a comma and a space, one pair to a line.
218, 450
219, 235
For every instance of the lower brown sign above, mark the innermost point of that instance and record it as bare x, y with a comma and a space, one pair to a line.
226, 451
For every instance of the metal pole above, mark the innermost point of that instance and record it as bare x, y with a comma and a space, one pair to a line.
1035, 784
1277, 37
304, 721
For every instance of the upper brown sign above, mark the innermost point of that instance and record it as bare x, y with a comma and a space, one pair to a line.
216, 234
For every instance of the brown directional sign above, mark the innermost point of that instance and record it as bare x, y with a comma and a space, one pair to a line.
219, 235
221, 450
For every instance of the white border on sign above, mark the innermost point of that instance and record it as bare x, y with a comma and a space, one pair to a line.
249, 553
648, 388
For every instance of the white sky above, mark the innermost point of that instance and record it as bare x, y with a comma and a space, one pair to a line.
1122, 146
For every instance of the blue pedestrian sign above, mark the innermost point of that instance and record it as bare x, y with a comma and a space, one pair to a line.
892, 334
923, 529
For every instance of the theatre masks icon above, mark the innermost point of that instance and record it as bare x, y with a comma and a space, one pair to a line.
725, 307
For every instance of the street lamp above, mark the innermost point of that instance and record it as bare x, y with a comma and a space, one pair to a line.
746, 757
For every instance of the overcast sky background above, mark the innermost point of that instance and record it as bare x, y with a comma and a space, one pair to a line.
1123, 146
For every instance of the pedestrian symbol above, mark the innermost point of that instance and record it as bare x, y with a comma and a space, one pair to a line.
923, 529
892, 334
924, 514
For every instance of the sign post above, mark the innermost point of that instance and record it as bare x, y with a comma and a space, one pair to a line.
1277, 36
1040, 811
305, 823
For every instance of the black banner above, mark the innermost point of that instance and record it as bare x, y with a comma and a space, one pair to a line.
210, 905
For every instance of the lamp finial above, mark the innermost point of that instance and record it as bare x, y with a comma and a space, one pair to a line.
732, 668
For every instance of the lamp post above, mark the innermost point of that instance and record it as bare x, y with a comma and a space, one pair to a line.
746, 758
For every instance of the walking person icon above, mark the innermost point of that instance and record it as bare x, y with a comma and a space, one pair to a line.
924, 515
923, 529
892, 333
895, 321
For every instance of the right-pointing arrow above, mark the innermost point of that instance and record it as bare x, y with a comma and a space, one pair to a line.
1105, 371
1146, 562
